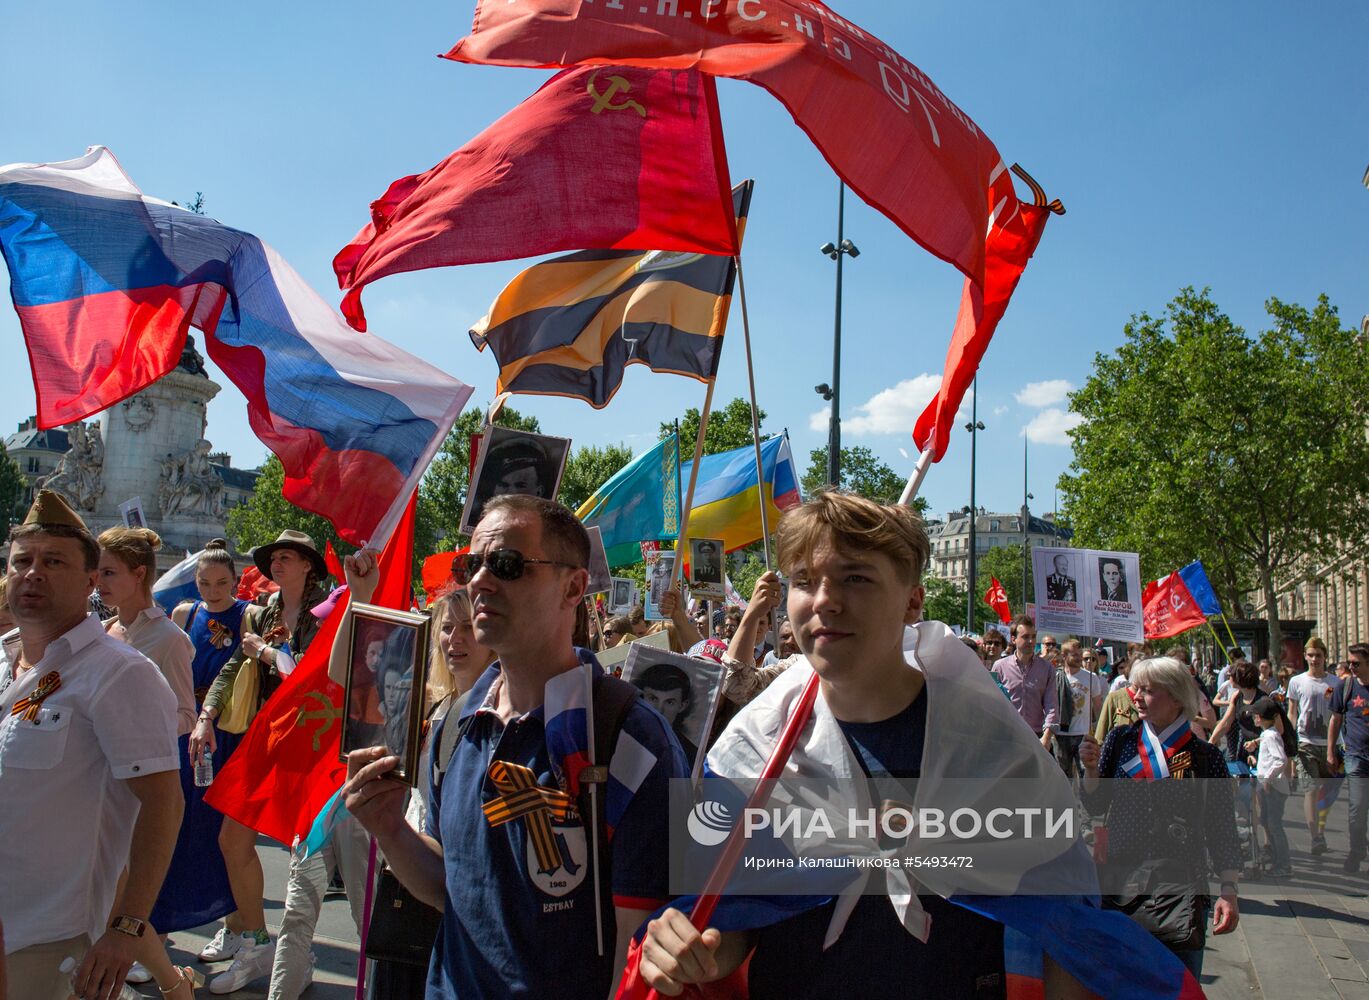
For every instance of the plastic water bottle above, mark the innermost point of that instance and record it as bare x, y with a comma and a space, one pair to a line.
204, 770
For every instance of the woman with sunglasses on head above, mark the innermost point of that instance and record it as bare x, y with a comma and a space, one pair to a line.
127, 569
455, 662
273, 639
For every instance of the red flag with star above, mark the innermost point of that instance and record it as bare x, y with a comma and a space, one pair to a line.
287, 765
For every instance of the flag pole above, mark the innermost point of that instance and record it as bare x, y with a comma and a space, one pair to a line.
1227, 625
924, 462
693, 478
755, 423
1215, 637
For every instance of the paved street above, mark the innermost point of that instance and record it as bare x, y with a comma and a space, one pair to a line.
1305, 937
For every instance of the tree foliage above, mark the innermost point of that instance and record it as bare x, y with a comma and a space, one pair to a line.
861, 472
1200, 442
588, 468
268, 513
945, 601
1004, 562
12, 488
728, 428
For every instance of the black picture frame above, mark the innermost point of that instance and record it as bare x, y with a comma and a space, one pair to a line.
384, 697
512, 461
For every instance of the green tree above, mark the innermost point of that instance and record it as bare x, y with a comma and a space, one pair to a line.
268, 513
1200, 442
861, 472
12, 487
588, 468
1004, 562
945, 601
728, 428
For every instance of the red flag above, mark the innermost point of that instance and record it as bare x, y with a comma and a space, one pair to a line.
1167, 608
885, 128
1011, 243
253, 584
330, 557
437, 572
890, 132
615, 158
997, 598
287, 765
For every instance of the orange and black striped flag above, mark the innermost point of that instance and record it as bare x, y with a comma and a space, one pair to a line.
570, 325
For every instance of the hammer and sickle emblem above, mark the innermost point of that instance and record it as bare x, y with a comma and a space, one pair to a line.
326, 714
604, 99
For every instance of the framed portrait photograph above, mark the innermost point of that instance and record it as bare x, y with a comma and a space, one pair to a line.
623, 596
132, 513
514, 462
682, 688
659, 567
387, 674
599, 577
706, 568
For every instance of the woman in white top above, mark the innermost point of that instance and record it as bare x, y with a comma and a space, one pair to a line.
128, 567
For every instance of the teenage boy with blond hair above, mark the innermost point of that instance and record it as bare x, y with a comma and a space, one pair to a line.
855, 571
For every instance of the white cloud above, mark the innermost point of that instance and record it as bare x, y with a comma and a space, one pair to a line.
1052, 426
894, 410
817, 420
998, 411
1039, 394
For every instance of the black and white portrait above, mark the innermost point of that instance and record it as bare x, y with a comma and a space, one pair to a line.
1060, 584
599, 577
514, 462
1112, 580
659, 572
386, 667
681, 688
623, 596
706, 568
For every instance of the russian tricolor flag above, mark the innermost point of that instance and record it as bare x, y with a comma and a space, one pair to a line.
107, 282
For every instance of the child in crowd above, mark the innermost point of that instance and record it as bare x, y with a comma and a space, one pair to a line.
1272, 770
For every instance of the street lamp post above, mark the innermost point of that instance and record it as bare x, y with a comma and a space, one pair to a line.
974, 427
842, 248
1026, 526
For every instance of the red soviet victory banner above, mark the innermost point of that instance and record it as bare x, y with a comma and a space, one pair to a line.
997, 598
885, 128
1011, 242
598, 158
287, 765
1167, 608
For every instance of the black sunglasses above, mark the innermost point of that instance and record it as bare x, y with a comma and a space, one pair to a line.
505, 564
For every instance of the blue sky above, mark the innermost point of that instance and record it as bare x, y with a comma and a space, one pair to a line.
1217, 144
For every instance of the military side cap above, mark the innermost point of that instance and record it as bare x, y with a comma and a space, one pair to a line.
50, 509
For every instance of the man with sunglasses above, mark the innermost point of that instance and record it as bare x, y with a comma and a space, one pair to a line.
515, 874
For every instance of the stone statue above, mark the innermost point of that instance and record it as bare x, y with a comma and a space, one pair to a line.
79, 474
190, 485
191, 361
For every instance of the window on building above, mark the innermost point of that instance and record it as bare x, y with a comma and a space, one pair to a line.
993, 525
33, 463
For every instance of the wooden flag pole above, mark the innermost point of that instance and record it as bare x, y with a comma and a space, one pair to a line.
755, 423
1227, 625
681, 545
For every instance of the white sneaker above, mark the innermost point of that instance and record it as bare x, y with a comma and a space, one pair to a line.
225, 945
251, 962
138, 974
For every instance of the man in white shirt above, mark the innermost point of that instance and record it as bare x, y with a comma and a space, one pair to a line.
1086, 693
1309, 702
89, 772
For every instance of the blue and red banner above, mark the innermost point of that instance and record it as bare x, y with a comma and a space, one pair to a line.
107, 283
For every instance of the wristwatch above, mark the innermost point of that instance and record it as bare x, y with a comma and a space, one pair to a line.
131, 926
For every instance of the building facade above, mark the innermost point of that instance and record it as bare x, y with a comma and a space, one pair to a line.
951, 539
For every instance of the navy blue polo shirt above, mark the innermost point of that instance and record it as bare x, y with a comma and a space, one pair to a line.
1355, 730
512, 927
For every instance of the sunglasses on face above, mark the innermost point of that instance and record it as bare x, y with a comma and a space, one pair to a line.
505, 564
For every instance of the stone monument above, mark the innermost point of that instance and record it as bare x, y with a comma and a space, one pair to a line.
151, 446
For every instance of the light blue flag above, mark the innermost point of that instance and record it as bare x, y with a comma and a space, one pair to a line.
641, 503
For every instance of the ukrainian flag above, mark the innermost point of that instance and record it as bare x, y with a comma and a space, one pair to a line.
727, 495
571, 325
641, 503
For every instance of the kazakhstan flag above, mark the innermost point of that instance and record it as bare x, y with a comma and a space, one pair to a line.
641, 503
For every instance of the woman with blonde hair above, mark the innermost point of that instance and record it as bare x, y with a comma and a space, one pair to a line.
127, 570
1177, 830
